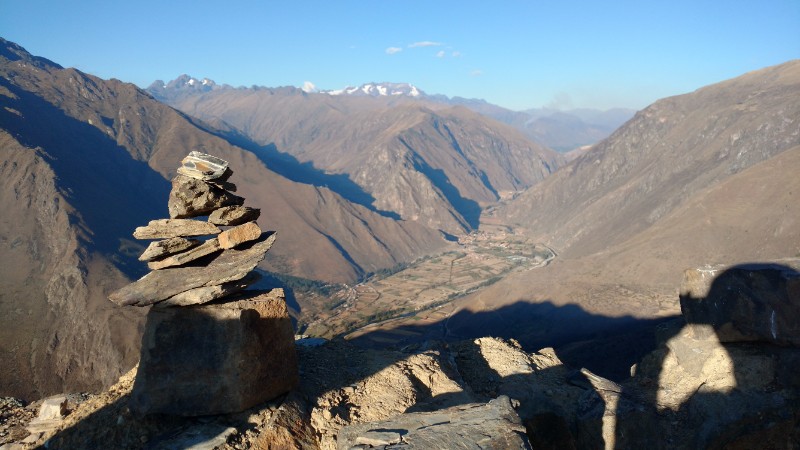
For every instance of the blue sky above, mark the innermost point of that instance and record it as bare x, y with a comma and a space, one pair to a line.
518, 54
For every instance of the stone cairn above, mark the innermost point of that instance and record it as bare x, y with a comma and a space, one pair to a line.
209, 346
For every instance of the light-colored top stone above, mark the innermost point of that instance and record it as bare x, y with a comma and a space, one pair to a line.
202, 166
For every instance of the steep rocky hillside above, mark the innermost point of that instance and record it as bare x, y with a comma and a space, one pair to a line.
423, 161
708, 177
85, 160
670, 151
752, 216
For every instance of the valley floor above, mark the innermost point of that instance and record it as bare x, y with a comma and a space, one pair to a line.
427, 287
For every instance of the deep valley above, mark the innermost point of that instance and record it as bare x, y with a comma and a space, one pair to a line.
407, 225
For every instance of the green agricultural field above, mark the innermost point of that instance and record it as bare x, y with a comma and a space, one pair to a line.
477, 261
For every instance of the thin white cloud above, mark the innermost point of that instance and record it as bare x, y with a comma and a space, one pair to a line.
309, 87
476, 73
393, 50
440, 54
425, 44
456, 54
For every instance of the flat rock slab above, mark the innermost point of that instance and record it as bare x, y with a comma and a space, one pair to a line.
752, 302
170, 228
206, 294
159, 285
493, 425
203, 166
160, 249
191, 197
239, 234
233, 215
216, 358
206, 248
50, 415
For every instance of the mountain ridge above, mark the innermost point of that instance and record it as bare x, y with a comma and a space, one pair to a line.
708, 177
98, 153
415, 158
561, 130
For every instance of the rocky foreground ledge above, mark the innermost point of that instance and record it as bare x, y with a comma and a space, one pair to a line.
723, 381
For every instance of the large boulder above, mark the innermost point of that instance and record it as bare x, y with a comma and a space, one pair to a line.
698, 393
753, 302
215, 358
718, 379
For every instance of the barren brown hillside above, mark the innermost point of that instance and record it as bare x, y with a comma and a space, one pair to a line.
704, 178
670, 151
426, 162
85, 161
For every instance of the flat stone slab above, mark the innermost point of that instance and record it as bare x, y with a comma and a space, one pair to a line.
198, 296
202, 166
191, 197
160, 249
492, 425
206, 248
51, 414
750, 302
170, 228
233, 215
160, 285
217, 358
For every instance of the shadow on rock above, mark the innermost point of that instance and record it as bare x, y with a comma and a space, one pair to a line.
723, 376
697, 389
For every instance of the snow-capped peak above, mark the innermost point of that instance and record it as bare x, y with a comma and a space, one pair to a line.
379, 90
194, 83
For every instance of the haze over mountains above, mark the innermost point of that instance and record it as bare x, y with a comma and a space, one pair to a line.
559, 129
358, 183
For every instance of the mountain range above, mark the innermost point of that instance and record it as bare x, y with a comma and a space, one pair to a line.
86, 161
357, 183
419, 161
558, 129
704, 178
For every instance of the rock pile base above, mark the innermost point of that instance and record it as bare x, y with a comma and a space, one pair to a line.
209, 345
217, 357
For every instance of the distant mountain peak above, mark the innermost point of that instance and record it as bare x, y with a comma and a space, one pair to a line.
14, 52
184, 84
384, 89
190, 82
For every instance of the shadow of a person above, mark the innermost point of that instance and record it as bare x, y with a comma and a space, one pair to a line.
723, 378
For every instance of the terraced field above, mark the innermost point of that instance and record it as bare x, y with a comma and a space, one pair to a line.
430, 283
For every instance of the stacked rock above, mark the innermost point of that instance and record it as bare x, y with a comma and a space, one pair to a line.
226, 348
